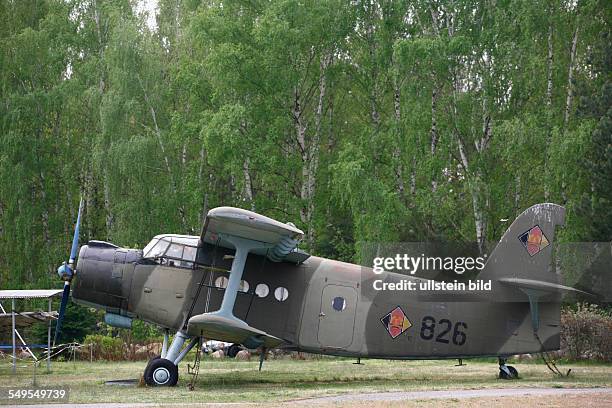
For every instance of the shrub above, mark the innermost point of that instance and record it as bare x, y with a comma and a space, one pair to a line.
586, 333
105, 347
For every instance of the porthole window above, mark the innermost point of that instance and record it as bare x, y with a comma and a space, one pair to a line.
262, 290
339, 303
244, 286
221, 282
281, 294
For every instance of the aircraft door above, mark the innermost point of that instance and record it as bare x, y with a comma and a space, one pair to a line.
337, 317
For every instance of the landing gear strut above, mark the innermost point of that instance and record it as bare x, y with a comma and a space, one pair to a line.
162, 371
507, 372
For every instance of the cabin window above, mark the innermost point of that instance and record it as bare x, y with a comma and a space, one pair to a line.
189, 253
262, 290
221, 282
281, 294
244, 286
339, 303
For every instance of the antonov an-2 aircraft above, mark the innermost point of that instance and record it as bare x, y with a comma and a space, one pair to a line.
244, 281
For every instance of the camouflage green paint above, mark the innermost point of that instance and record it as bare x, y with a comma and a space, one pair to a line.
442, 325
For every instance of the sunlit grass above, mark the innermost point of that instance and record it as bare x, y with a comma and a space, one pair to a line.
286, 379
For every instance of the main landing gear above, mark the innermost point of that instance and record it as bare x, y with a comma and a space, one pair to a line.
507, 372
162, 371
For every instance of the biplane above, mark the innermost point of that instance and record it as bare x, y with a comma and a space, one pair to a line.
244, 280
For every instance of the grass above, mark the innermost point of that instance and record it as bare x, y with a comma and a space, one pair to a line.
285, 379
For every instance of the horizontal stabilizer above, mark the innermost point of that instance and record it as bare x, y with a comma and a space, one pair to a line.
539, 285
230, 329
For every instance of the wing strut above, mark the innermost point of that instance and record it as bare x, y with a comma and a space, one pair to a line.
222, 324
243, 247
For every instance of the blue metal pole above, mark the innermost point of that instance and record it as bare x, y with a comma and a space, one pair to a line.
14, 348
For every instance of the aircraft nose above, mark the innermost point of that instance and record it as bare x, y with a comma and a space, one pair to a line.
94, 273
104, 275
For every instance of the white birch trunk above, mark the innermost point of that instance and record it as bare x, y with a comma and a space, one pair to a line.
549, 89
479, 219
300, 132
248, 187
434, 132
549, 66
107, 206
397, 151
570, 78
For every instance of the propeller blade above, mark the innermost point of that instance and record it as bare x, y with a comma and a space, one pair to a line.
62, 311
75, 238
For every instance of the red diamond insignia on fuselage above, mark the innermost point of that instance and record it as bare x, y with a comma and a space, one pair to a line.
396, 322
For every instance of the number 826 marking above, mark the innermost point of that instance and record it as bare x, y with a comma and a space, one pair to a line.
428, 331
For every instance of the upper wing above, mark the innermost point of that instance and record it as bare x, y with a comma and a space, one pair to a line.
282, 239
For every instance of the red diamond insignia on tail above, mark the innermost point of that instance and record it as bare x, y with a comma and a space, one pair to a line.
534, 240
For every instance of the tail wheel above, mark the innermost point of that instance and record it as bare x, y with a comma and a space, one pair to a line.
161, 373
512, 373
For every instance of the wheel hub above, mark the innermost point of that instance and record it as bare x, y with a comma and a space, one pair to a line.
161, 375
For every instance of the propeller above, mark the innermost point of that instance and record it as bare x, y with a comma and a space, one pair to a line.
66, 273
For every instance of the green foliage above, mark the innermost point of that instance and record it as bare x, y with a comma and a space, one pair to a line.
106, 347
596, 104
142, 332
360, 122
586, 333
78, 322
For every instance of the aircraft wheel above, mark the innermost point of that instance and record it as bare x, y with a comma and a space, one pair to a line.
513, 371
505, 376
161, 373
148, 367
233, 350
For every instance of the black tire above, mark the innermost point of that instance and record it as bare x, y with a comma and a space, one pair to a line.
505, 376
513, 371
161, 373
233, 350
148, 367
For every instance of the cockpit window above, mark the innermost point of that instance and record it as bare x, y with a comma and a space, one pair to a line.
158, 249
175, 251
150, 245
172, 251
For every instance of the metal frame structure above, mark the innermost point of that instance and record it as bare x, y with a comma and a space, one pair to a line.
48, 294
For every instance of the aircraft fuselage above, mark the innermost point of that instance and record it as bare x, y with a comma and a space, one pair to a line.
320, 305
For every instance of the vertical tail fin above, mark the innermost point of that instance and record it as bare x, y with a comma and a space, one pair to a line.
525, 251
